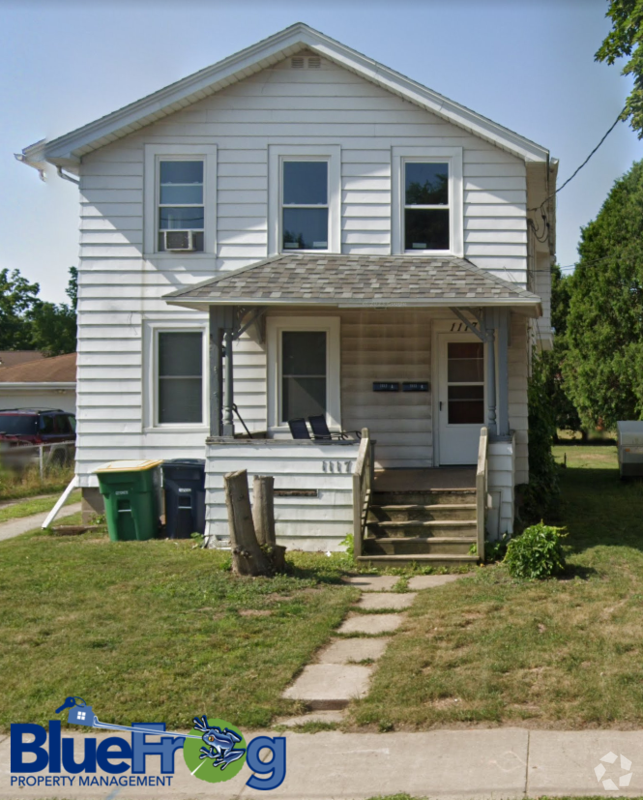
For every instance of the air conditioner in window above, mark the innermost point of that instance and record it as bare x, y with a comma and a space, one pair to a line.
178, 241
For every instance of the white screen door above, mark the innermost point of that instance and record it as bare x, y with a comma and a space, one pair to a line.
461, 406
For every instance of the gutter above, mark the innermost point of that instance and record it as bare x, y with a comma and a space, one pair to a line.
42, 385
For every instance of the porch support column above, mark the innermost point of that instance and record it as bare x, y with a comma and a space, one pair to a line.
490, 321
216, 371
503, 371
228, 388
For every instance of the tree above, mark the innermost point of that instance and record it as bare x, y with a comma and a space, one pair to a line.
53, 326
603, 368
626, 39
17, 300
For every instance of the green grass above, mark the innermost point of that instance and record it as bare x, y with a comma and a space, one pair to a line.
15, 485
34, 506
561, 653
156, 630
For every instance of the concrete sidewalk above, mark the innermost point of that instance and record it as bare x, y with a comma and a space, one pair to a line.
14, 527
495, 763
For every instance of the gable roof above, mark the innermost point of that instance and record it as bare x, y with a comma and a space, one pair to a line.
66, 151
57, 369
352, 281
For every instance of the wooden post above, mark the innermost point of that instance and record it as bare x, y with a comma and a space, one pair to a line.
263, 515
41, 461
247, 557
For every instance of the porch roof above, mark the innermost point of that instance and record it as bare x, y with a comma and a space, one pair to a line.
351, 281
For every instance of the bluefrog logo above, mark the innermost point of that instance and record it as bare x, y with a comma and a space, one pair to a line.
213, 751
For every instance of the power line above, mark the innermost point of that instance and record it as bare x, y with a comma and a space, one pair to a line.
578, 169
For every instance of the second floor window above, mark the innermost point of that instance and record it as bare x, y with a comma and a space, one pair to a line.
426, 206
305, 205
181, 205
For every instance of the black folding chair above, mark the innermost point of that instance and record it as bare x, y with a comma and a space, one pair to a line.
298, 428
321, 431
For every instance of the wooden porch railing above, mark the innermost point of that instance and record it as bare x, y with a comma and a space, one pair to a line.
482, 476
362, 488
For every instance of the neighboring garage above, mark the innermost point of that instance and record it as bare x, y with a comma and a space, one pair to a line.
39, 383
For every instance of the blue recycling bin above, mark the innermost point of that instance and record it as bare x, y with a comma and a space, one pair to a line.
184, 487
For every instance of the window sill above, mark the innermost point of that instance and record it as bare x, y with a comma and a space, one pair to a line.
178, 428
191, 254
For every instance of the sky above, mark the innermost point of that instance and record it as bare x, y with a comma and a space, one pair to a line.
526, 64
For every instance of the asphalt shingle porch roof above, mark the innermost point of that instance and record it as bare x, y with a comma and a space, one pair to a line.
356, 281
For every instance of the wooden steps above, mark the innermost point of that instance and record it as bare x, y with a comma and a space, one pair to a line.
433, 525
434, 560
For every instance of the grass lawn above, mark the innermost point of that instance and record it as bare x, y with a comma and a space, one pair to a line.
149, 631
15, 485
35, 505
561, 653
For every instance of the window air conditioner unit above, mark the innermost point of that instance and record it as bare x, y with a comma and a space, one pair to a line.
178, 241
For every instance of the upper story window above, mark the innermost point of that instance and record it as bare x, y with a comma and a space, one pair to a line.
427, 201
180, 200
426, 206
305, 205
181, 207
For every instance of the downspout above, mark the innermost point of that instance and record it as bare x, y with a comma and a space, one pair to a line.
62, 175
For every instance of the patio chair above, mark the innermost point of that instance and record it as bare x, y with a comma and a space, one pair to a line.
321, 431
298, 428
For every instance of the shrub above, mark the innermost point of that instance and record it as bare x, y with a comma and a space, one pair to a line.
536, 553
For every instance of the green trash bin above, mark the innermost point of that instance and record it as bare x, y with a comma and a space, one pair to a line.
131, 491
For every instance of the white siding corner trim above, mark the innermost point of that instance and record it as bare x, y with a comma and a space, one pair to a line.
277, 154
154, 153
452, 155
274, 328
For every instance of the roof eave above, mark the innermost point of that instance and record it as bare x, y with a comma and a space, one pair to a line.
67, 150
63, 385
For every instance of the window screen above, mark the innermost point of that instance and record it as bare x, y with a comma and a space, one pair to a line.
180, 375
303, 374
426, 206
305, 205
181, 205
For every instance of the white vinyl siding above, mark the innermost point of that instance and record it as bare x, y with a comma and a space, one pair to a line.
326, 112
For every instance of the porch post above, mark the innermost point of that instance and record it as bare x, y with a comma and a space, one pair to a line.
228, 389
491, 370
216, 371
503, 372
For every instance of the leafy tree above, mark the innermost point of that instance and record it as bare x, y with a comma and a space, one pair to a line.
603, 368
17, 300
53, 326
626, 39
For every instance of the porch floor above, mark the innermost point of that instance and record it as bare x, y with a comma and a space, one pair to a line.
409, 480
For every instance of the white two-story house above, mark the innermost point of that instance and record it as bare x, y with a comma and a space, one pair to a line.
299, 231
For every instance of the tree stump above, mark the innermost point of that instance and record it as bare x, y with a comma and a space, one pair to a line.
263, 515
247, 556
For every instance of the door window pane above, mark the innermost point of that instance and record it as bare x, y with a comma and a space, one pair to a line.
466, 362
303, 355
180, 368
466, 405
305, 205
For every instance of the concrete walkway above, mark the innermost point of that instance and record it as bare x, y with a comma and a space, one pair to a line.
342, 670
14, 527
509, 763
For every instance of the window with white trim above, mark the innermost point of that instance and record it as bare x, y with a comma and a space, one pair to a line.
427, 201
303, 369
426, 206
179, 377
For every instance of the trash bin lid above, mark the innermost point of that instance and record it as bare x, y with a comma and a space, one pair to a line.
128, 466
184, 462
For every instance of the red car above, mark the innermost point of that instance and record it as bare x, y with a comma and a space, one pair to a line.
49, 426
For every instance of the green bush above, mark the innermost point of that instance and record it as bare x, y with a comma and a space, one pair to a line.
536, 553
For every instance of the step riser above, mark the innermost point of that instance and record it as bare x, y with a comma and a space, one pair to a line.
427, 498
401, 561
426, 547
377, 514
378, 529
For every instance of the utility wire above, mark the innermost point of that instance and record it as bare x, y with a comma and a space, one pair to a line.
576, 171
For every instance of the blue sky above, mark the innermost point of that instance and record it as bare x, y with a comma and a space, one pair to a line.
526, 64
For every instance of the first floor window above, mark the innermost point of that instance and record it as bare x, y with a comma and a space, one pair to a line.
305, 205
303, 374
180, 377
181, 205
426, 206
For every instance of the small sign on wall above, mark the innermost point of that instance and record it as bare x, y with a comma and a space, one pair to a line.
385, 386
415, 386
